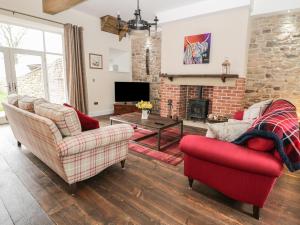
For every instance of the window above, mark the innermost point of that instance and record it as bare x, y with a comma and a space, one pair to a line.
32, 62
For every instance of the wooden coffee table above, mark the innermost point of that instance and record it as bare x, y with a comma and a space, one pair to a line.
154, 123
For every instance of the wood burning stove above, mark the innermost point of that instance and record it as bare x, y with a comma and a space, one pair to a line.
198, 107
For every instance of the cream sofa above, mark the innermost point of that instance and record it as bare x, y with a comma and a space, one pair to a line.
73, 157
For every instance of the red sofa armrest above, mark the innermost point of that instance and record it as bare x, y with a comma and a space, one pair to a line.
231, 155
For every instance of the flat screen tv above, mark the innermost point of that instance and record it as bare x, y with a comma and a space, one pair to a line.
132, 91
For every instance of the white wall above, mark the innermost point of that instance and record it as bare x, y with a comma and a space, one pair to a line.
272, 6
95, 41
199, 8
229, 31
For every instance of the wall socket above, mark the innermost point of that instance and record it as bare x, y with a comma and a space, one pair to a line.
96, 103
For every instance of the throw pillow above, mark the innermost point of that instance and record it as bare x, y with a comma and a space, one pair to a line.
65, 118
238, 115
39, 101
26, 103
87, 122
13, 99
227, 131
260, 144
256, 110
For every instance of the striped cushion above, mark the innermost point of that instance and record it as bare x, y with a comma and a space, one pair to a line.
13, 99
39, 101
65, 118
26, 103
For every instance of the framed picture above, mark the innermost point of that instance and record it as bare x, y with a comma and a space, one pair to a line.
96, 61
197, 49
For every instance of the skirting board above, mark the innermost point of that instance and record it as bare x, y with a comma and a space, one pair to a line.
102, 112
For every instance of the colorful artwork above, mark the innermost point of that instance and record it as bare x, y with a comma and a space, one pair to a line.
197, 49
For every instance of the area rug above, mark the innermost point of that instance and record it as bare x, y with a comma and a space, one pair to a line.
170, 155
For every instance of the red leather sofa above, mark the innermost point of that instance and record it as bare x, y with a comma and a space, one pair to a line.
241, 173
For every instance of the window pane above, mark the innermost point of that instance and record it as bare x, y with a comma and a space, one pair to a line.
3, 83
29, 73
20, 37
56, 78
53, 42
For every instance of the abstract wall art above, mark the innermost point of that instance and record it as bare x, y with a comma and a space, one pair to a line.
197, 49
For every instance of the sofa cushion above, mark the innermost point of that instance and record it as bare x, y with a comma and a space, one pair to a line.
65, 118
228, 131
256, 110
231, 155
93, 139
39, 101
87, 122
13, 99
238, 115
260, 144
26, 103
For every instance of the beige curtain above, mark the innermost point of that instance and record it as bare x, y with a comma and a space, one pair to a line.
75, 71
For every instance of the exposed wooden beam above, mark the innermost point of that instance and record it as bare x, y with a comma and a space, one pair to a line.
55, 6
110, 24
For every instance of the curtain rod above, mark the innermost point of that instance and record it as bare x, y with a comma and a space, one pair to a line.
25, 14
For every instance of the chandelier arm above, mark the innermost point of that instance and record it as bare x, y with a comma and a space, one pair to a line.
138, 23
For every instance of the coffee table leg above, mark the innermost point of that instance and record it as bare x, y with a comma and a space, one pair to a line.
158, 139
111, 122
181, 129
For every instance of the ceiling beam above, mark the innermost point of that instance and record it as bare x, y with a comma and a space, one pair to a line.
55, 6
110, 24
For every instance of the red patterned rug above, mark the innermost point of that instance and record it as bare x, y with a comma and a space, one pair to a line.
171, 154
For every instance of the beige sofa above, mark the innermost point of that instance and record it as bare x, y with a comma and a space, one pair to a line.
74, 157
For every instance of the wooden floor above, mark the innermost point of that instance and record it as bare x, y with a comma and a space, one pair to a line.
146, 192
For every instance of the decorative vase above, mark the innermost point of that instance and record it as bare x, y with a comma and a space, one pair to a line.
145, 114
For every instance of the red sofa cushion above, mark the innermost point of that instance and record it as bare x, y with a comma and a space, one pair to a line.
231, 155
238, 115
87, 122
261, 144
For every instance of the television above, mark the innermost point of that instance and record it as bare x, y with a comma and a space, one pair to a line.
132, 91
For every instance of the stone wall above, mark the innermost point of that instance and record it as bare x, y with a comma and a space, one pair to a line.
274, 59
139, 47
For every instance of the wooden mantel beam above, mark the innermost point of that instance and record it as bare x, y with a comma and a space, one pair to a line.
55, 6
220, 76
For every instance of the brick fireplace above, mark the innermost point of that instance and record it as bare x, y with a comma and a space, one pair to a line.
225, 98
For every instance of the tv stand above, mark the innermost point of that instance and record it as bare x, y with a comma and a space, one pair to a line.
125, 107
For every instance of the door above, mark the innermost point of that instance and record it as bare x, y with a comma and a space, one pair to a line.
29, 74
31, 63
5, 81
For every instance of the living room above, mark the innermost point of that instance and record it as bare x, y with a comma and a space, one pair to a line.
149, 112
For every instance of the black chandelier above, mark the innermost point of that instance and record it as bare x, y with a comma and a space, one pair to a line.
138, 24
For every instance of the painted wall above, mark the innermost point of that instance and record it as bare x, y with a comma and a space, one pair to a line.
100, 83
229, 39
273, 6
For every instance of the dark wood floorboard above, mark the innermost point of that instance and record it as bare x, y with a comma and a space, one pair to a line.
146, 192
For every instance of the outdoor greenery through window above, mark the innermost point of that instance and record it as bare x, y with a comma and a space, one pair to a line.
31, 63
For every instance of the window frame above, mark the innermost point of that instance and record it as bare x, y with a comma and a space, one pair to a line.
11, 76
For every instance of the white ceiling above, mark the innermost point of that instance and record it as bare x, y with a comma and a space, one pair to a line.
126, 7
170, 10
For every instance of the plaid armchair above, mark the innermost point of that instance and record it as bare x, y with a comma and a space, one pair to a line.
75, 157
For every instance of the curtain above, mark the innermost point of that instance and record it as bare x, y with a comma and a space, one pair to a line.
75, 70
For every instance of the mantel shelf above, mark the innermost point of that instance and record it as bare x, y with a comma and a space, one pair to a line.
223, 77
